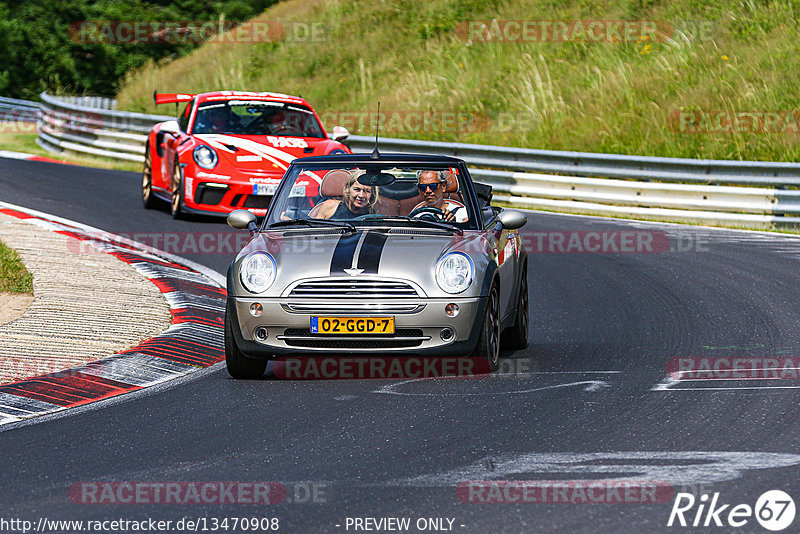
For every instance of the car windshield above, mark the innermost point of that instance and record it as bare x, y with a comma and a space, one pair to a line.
373, 194
256, 118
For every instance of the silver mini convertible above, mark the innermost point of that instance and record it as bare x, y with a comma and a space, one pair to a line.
391, 254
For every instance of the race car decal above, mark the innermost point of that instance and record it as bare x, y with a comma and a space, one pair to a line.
279, 157
287, 142
276, 162
358, 253
203, 174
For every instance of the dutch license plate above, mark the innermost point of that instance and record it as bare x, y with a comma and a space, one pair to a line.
264, 189
352, 325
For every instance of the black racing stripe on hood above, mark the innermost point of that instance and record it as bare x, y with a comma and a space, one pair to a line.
343, 253
371, 250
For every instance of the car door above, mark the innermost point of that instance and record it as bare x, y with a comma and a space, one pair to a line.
168, 145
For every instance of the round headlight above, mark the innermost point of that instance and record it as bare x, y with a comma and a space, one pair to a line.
257, 272
336, 151
205, 157
454, 272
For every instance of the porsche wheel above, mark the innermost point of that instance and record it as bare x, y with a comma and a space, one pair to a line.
516, 337
239, 365
176, 205
488, 348
149, 200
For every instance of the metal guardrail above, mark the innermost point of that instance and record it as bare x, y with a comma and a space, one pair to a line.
21, 110
752, 173
704, 191
96, 129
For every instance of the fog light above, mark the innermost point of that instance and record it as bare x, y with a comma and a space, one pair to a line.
447, 334
256, 309
451, 309
261, 333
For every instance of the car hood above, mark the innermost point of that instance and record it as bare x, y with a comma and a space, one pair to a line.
410, 255
264, 153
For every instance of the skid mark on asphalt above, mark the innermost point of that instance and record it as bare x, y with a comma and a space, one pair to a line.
675, 468
591, 385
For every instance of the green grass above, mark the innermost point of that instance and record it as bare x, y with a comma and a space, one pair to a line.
26, 142
586, 96
14, 277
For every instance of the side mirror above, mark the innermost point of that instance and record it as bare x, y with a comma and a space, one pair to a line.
242, 220
340, 133
170, 127
513, 219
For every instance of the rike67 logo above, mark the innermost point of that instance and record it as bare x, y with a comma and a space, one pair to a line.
774, 510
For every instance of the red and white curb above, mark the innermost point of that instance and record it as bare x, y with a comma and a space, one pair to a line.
30, 157
196, 296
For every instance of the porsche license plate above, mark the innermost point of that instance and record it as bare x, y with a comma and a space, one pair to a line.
264, 189
352, 325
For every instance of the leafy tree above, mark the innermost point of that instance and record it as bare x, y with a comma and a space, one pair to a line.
51, 46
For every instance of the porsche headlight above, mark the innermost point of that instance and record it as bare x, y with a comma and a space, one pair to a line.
257, 272
454, 272
205, 157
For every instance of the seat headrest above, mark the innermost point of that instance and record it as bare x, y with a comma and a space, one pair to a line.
333, 183
452, 182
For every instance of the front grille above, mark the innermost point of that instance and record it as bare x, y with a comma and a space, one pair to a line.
402, 338
342, 288
257, 201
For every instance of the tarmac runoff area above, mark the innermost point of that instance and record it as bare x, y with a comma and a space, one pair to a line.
86, 306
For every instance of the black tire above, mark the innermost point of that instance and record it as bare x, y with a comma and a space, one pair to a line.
488, 348
239, 365
516, 337
176, 204
149, 200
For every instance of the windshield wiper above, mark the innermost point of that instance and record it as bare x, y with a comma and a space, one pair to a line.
314, 222
425, 222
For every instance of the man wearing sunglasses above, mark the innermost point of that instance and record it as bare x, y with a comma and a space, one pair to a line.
432, 186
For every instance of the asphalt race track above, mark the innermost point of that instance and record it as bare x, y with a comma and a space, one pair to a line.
590, 399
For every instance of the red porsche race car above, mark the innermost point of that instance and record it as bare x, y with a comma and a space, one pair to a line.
229, 150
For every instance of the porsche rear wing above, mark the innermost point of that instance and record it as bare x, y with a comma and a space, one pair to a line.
169, 98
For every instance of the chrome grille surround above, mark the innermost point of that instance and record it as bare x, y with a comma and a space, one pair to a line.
353, 295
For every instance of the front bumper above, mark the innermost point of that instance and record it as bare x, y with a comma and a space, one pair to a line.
417, 332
